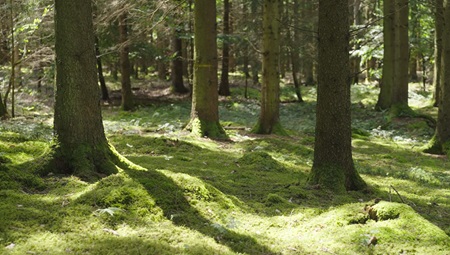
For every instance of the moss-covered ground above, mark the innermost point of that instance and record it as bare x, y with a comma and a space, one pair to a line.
245, 195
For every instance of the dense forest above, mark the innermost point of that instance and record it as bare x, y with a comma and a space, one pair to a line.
225, 127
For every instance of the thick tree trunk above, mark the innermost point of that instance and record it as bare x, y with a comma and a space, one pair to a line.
440, 144
333, 166
269, 118
125, 66
224, 87
82, 148
394, 87
177, 65
205, 97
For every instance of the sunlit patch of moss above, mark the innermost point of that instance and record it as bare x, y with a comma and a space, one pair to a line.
260, 161
120, 191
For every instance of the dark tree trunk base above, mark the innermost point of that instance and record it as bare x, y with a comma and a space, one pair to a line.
202, 128
87, 162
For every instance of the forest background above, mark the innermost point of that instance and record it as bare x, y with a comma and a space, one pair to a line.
298, 162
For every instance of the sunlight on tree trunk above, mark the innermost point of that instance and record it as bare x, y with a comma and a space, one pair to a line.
269, 118
81, 146
205, 106
440, 143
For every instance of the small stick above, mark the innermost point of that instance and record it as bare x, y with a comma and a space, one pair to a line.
398, 194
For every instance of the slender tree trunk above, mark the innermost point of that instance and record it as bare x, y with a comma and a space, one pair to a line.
439, 24
333, 166
125, 66
205, 97
387, 82
101, 78
295, 59
224, 87
269, 118
3, 111
177, 64
400, 91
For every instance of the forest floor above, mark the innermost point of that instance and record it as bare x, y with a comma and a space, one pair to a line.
245, 195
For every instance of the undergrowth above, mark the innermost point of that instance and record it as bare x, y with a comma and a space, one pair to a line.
246, 195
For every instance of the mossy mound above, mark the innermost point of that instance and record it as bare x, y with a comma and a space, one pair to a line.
134, 144
260, 161
120, 191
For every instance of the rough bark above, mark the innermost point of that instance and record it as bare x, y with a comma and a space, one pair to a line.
394, 87
205, 109
177, 65
440, 143
269, 118
439, 24
224, 86
81, 146
101, 78
333, 166
295, 52
401, 79
125, 66
387, 82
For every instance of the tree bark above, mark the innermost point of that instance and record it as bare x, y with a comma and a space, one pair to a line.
439, 24
394, 87
333, 166
224, 87
82, 148
295, 52
387, 82
125, 66
101, 78
269, 118
177, 65
205, 108
440, 143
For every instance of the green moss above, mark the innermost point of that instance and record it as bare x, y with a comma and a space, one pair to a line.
328, 177
434, 146
388, 211
260, 161
276, 129
274, 199
209, 129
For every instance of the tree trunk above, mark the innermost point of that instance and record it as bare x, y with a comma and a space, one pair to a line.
82, 148
125, 66
394, 87
224, 87
294, 52
205, 109
269, 118
387, 81
177, 65
400, 88
3, 111
101, 78
439, 24
333, 166
440, 143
